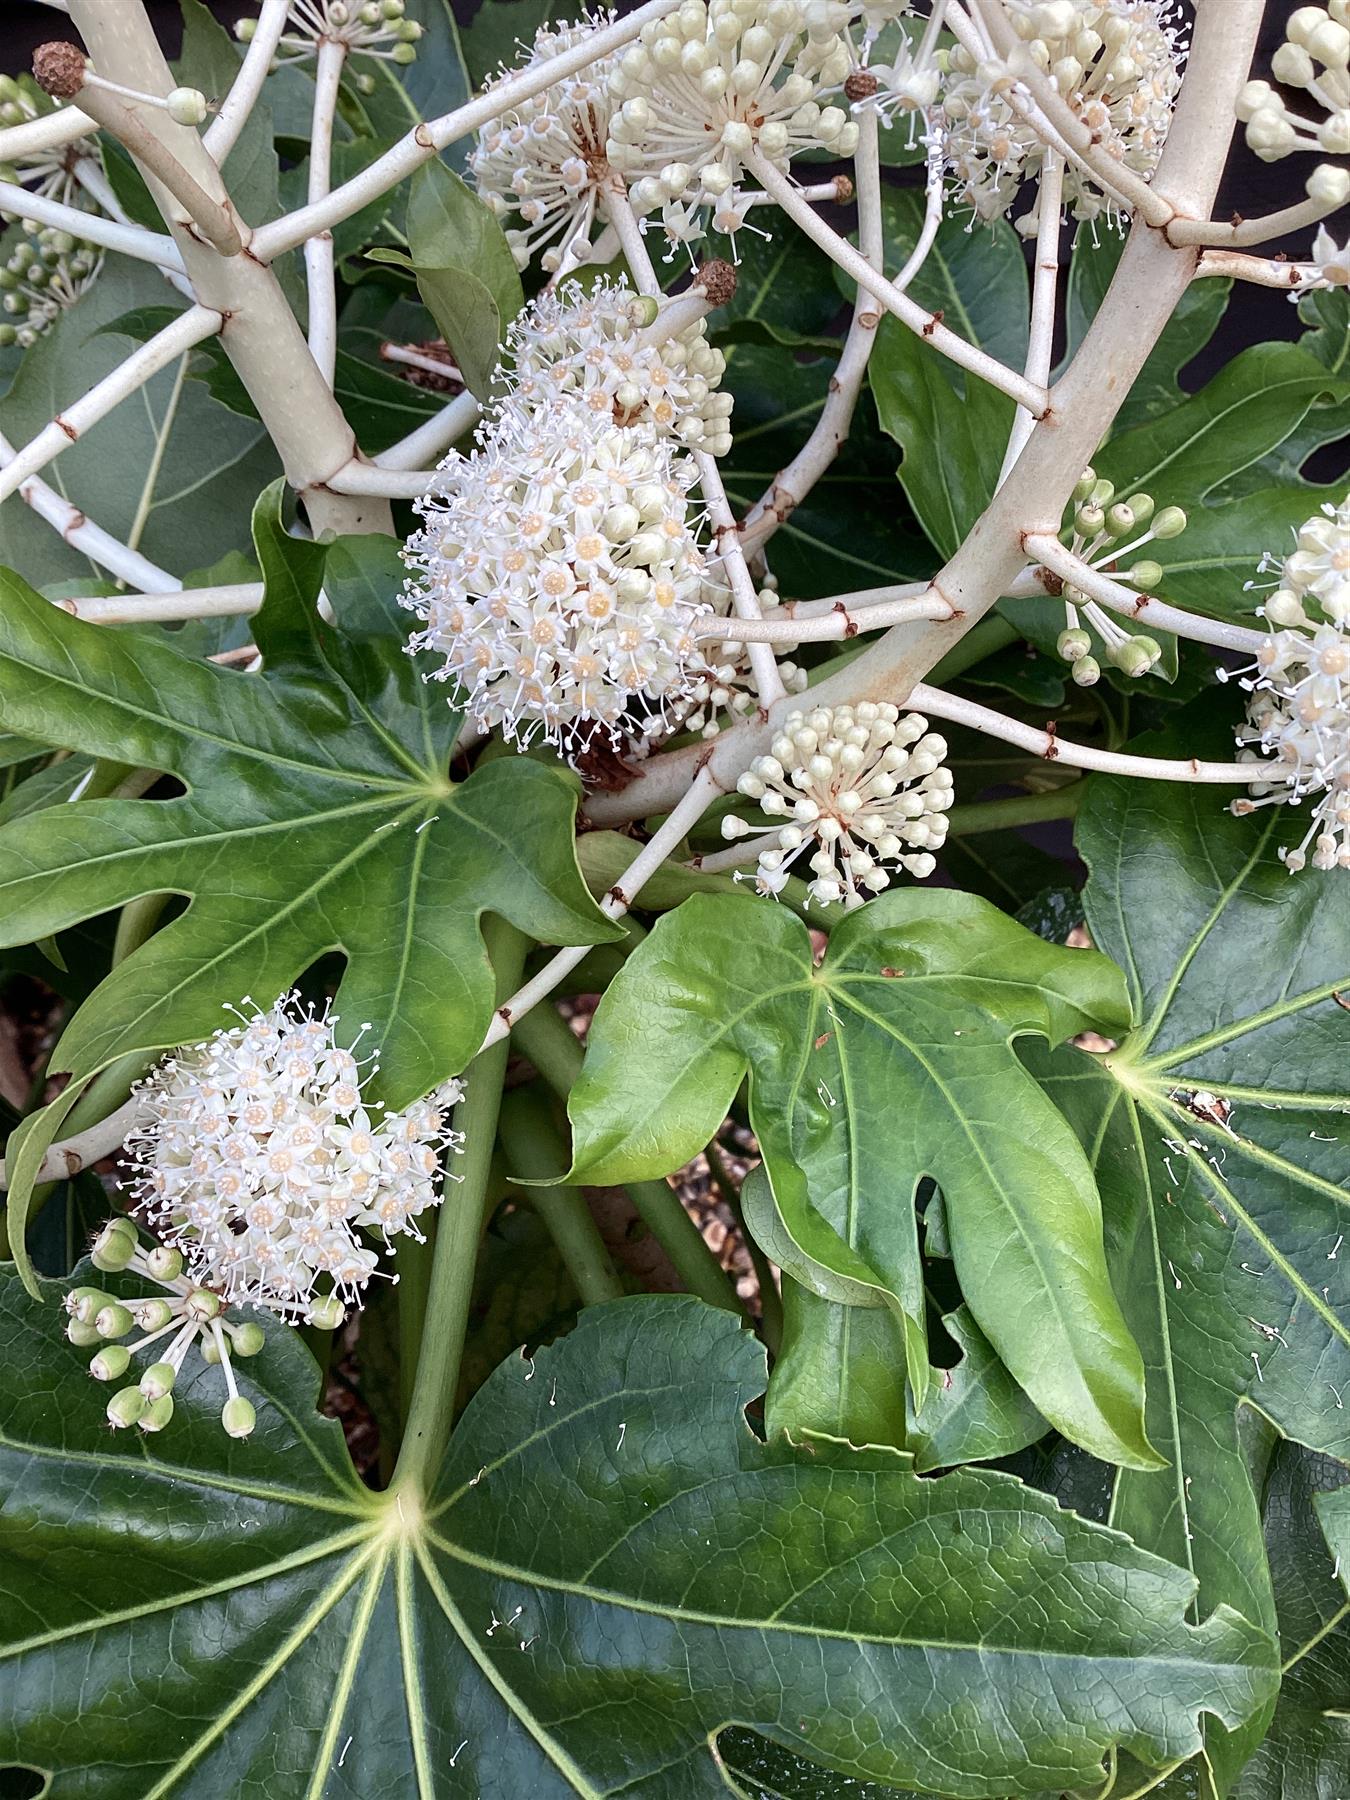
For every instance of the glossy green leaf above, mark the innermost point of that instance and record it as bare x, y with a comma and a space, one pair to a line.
888, 1062
466, 274
318, 815
1208, 567
243, 1618
977, 282
1235, 420
1226, 1215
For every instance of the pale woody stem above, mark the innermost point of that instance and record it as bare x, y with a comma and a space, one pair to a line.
698, 798
222, 133
82, 534
188, 329
433, 438
1250, 231
108, 234
1141, 609
65, 1160
1263, 271
321, 282
837, 623
924, 324
49, 132
1044, 289
166, 604
1047, 744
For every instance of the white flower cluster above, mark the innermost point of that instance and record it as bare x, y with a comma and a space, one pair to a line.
1299, 712
1117, 63
1315, 58
183, 1311
861, 787
559, 574
1101, 531
591, 347
707, 84
375, 28
544, 160
257, 1158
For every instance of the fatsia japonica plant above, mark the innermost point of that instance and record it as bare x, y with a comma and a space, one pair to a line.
594, 1207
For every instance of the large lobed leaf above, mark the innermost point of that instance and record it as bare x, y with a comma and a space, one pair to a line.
319, 815
1227, 1225
890, 1061
610, 1569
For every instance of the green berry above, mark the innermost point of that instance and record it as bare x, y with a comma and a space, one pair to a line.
111, 1363
125, 1408
248, 1339
238, 1417
1086, 482
1169, 523
114, 1320
1141, 505
82, 1336
1120, 520
164, 1264
1073, 645
327, 1312
403, 54
152, 1315
202, 1305
1087, 671
1145, 575
157, 1414
157, 1380
114, 1246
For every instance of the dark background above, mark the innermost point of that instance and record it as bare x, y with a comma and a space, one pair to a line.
1252, 187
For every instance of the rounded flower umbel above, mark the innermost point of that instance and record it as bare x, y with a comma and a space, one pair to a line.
180, 1317
257, 1157
45, 272
1299, 711
705, 85
605, 349
544, 160
862, 789
1101, 531
559, 575
1117, 63
1314, 58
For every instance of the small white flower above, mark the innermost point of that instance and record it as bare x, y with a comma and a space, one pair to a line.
247, 1150
570, 344
708, 83
559, 575
1117, 63
544, 161
1102, 531
1330, 262
374, 28
1299, 712
860, 788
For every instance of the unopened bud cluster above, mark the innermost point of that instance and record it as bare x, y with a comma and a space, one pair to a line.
1101, 531
606, 349
1299, 711
44, 270
708, 84
543, 161
1117, 66
861, 791
180, 1317
375, 28
1313, 59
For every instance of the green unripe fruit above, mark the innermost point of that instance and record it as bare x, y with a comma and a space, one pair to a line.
238, 1417
247, 1339
1088, 519
1073, 645
1151, 648
403, 54
1103, 493
157, 1380
408, 30
1141, 505
1086, 482
153, 1315
113, 1320
1169, 523
125, 1408
186, 106
164, 1264
1145, 575
1120, 519
327, 1312
245, 30
1131, 658
86, 1303
111, 1363
1087, 671
8, 335
157, 1415
114, 1246
202, 1305
82, 1336
210, 1352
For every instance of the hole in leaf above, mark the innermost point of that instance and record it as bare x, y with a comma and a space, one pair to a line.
18, 1782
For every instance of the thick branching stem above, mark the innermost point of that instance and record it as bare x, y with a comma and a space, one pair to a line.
108, 234
50, 132
1242, 233
792, 485
189, 328
430, 441
828, 627
166, 604
65, 1160
1261, 271
1048, 744
1044, 291
1141, 609
260, 335
927, 325
321, 280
